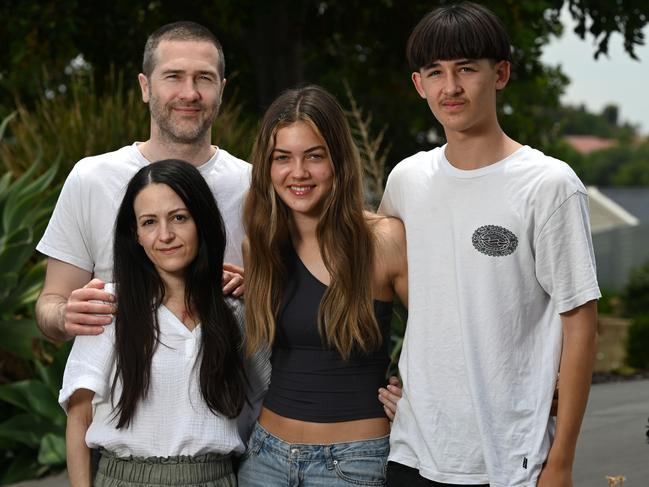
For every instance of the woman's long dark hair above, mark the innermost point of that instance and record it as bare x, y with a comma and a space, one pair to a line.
140, 291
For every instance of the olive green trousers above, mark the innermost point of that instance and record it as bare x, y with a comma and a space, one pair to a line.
210, 470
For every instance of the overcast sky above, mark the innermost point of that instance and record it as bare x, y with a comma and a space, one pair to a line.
614, 79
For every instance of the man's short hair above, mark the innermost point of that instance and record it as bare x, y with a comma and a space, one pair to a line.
180, 31
460, 31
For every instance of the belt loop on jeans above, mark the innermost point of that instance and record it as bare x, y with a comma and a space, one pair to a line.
257, 440
329, 458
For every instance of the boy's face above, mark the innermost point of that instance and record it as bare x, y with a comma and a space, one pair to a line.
461, 93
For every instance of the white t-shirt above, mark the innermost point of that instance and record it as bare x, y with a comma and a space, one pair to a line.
173, 419
494, 255
80, 231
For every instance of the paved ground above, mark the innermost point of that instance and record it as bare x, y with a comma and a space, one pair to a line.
612, 440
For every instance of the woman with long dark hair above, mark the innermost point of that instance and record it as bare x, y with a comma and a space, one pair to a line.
321, 274
158, 392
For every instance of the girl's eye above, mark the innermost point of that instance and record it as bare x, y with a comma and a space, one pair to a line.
316, 155
181, 218
148, 221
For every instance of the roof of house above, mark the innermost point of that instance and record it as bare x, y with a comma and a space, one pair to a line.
634, 200
606, 213
585, 144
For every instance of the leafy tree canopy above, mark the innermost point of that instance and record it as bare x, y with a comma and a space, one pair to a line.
274, 45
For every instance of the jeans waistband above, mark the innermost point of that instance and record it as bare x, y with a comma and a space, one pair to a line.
305, 451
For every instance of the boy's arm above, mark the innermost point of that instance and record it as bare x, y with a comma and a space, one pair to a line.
577, 358
77, 452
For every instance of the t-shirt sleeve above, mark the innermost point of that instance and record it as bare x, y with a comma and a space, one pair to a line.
565, 260
89, 366
390, 203
65, 236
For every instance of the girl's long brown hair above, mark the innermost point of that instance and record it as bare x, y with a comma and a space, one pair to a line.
346, 316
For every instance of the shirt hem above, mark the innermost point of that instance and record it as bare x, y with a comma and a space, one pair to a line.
63, 257
436, 476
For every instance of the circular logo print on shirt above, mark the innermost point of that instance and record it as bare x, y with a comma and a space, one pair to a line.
494, 241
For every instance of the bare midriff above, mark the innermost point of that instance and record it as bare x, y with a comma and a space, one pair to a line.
307, 432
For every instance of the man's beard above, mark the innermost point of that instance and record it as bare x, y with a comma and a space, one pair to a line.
185, 132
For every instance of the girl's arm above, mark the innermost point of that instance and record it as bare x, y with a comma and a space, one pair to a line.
77, 452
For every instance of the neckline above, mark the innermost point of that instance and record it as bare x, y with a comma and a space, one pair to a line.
481, 171
322, 284
179, 324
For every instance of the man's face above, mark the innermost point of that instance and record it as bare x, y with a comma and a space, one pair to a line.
461, 93
184, 90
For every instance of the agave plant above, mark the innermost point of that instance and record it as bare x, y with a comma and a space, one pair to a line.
32, 425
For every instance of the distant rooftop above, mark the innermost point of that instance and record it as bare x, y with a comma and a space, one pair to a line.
585, 144
635, 200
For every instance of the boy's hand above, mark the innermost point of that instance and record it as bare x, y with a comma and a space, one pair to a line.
389, 396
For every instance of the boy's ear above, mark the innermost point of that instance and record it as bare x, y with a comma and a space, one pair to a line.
503, 72
416, 80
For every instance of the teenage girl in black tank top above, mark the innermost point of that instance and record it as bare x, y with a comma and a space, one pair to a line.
321, 418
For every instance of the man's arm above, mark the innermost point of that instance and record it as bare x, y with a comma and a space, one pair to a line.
64, 310
577, 358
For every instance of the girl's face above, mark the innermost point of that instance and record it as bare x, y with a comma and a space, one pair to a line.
301, 171
165, 229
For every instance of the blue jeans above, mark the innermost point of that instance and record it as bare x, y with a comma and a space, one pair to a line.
270, 461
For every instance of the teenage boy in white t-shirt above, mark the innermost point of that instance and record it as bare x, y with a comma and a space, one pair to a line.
502, 283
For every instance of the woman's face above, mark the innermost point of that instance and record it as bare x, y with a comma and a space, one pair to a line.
301, 171
165, 229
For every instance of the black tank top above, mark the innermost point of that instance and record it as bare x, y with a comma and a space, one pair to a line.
310, 381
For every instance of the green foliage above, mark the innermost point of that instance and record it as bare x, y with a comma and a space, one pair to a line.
32, 425
636, 304
397, 332
579, 121
609, 303
84, 121
275, 45
637, 345
636, 293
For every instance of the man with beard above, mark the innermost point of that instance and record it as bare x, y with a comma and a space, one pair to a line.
182, 81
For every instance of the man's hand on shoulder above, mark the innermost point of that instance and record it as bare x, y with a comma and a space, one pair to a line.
232, 280
89, 309
65, 307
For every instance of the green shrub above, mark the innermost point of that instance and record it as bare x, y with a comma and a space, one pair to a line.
32, 425
83, 121
636, 293
637, 344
